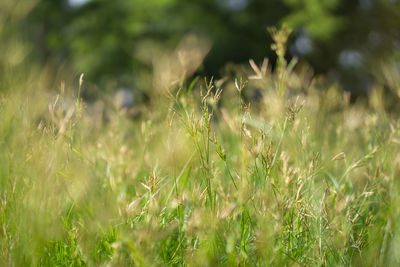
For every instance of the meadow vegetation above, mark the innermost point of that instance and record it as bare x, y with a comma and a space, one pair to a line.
268, 168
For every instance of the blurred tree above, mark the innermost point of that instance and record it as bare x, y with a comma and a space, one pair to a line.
349, 38
119, 39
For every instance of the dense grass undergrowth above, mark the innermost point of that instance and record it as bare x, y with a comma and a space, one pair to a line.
207, 175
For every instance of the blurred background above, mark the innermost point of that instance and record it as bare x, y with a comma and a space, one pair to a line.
117, 43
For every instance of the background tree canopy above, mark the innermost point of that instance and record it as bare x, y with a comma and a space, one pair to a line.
119, 39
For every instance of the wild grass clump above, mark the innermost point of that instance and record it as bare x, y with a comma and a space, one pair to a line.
208, 175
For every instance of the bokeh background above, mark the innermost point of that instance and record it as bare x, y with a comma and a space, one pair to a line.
117, 43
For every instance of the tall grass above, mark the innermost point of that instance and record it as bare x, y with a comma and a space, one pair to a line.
208, 175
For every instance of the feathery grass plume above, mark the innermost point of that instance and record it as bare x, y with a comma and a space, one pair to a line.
280, 38
171, 70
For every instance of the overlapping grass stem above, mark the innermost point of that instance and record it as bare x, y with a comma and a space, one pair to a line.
207, 176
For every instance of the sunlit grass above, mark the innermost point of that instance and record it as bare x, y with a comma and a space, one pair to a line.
207, 175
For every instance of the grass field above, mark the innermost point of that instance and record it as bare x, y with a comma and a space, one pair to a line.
207, 175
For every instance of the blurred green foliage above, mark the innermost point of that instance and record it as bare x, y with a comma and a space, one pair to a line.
120, 40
